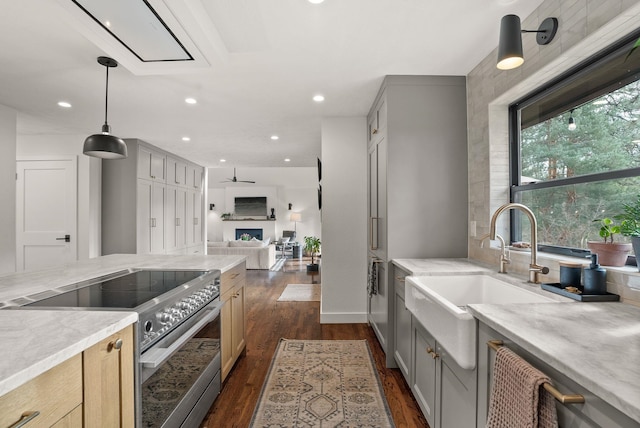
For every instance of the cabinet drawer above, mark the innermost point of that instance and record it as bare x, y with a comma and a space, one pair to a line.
232, 277
54, 394
399, 276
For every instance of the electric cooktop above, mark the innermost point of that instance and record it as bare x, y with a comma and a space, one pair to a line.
127, 291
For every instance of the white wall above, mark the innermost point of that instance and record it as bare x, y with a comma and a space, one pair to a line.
344, 220
281, 186
8, 120
89, 184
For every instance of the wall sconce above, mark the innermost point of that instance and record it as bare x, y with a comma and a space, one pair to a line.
572, 122
510, 53
211, 207
290, 204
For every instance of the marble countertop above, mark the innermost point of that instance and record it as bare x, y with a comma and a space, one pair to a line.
21, 284
603, 337
32, 343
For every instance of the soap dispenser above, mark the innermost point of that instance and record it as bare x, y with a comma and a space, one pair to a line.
595, 278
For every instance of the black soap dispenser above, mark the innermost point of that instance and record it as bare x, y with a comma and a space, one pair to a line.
595, 278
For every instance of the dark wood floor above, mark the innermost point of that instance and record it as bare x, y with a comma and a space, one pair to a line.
267, 321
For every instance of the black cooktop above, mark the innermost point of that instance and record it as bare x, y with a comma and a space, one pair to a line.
127, 291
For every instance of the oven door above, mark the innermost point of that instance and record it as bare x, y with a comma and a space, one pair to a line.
180, 375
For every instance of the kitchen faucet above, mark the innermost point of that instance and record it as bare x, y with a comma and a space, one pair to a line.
504, 254
534, 268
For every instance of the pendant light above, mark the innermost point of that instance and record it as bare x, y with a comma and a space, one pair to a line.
105, 145
572, 122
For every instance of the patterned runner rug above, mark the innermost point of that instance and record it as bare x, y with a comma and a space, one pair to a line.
322, 383
301, 293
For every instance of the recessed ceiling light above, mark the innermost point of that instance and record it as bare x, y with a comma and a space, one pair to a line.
287, 160
318, 98
107, 24
274, 137
186, 139
223, 160
190, 100
316, 1
64, 104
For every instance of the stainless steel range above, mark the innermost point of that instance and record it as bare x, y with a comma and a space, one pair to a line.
178, 336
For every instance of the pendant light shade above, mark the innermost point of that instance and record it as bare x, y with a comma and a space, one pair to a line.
510, 53
105, 145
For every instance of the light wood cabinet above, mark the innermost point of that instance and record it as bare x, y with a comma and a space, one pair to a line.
232, 290
54, 394
144, 209
91, 389
109, 381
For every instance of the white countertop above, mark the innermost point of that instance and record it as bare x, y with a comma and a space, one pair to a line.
417, 267
598, 345
13, 286
33, 341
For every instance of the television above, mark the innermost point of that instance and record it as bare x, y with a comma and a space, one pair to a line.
251, 206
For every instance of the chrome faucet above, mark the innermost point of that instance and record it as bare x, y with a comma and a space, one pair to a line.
534, 268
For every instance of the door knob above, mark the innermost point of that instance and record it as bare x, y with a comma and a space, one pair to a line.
67, 238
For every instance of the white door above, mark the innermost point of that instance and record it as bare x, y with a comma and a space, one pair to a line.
46, 229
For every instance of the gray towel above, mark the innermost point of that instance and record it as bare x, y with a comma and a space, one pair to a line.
372, 278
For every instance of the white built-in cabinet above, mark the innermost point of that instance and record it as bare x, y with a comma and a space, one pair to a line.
152, 203
416, 182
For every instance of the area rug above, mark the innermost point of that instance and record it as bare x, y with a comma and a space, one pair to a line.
300, 293
322, 383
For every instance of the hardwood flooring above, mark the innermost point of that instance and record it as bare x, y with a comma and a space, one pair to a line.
267, 321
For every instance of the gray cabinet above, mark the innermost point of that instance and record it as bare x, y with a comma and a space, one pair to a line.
401, 325
416, 181
147, 205
445, 392
594, 412
377, 306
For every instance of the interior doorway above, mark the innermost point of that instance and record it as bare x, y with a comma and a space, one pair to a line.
46, 212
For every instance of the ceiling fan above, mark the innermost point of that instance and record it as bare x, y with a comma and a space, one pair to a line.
235, 180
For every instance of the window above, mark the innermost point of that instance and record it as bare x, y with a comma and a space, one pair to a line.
575, 149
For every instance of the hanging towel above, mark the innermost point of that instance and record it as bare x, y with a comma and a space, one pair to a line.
372, 279
518, 399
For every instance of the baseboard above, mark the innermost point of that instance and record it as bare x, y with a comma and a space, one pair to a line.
343, 318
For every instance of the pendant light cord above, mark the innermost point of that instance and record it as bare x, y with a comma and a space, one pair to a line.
106, 97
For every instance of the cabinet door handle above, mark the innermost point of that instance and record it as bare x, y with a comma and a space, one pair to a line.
116, 344
373, 246
67, 238
433, 353
25, 419
374, 131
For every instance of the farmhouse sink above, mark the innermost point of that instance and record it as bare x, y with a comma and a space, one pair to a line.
440, 302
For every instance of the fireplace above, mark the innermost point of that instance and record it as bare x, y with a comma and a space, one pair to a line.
255, 233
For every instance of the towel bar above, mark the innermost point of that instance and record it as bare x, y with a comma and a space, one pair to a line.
563, 398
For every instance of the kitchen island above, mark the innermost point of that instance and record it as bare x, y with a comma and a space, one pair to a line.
37, 342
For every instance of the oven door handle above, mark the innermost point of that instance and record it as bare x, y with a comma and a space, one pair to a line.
155, 357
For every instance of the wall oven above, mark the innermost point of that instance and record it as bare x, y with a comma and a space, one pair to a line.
177, 336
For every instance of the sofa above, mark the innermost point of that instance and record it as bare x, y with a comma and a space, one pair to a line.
260, 254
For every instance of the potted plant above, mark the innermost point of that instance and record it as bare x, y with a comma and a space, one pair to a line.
312, 246
630, 225
609, 253
225, 216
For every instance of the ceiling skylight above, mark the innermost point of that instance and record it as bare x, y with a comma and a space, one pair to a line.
137, 26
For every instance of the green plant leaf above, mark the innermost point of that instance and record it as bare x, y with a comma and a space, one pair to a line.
635, 46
